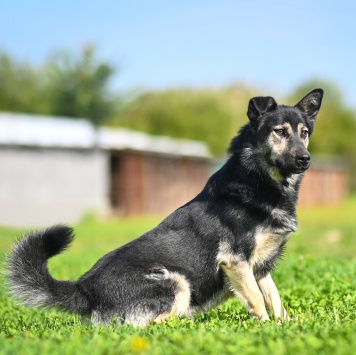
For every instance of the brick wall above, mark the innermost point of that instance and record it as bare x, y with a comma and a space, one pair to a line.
149, 184
323, 185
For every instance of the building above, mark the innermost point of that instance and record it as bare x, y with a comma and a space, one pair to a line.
57, 170
325, 183
153, 175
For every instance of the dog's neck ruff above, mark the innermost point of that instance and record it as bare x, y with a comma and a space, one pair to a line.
287, 182
250, 161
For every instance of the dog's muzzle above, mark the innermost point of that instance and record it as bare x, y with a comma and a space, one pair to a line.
303, 161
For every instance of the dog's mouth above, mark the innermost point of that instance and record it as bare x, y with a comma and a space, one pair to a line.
294, 168
302, 165
300, 170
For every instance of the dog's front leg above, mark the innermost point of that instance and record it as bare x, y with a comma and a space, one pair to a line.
244, 284
271, 296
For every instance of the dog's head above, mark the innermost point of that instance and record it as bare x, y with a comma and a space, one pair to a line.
282, 132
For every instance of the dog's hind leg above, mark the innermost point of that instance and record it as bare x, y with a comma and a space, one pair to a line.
240, 274
163, 294
104, 317
181, 302
271, 296
138, 297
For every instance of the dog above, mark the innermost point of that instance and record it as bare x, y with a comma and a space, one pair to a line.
224, 242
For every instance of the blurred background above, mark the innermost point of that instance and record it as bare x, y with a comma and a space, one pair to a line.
122, 108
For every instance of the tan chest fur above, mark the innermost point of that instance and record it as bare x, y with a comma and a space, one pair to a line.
267, 243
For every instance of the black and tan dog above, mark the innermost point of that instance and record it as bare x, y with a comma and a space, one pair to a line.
225, 241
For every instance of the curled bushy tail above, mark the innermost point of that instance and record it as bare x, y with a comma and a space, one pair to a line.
29, 279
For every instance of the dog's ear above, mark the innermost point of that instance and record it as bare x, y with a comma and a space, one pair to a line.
310, 104
260, 105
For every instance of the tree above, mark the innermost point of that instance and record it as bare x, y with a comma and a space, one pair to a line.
22, 87
68, 84
78, 86
184, 113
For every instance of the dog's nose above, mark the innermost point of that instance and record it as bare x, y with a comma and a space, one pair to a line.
303, 158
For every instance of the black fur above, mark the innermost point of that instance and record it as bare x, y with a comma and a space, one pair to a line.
175, 268
29, 276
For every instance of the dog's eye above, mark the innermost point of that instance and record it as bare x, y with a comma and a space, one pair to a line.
279, 132
304, 133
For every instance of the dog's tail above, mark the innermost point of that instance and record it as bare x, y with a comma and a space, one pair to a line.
29, 279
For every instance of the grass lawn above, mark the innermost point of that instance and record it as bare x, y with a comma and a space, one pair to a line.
316, 280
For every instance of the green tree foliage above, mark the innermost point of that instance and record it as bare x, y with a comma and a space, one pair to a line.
68, 84
78, 86
21, 88
236, 98
186, 113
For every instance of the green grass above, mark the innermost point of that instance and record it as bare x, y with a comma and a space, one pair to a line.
316, 280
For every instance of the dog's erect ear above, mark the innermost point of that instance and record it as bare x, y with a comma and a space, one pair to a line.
310, 104
260, 105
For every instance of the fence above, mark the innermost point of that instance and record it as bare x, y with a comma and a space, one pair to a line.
324, 185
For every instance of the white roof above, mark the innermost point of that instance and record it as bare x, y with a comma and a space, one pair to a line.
125, 139
44, 131
47, 131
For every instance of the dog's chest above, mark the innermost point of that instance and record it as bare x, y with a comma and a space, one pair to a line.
271, 236
267, 245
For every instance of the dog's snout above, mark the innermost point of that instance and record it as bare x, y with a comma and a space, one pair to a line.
303, 158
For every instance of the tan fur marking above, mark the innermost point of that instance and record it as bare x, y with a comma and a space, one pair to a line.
300, 126
277, 144
182, 300
162, 317
272, 299
287, 127
225, 255
306, 140
242, 280
266, 244
244, 284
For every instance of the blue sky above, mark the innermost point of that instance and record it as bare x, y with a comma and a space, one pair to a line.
274, 44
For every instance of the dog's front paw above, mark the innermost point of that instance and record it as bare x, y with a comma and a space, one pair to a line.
282, 317
263, 316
